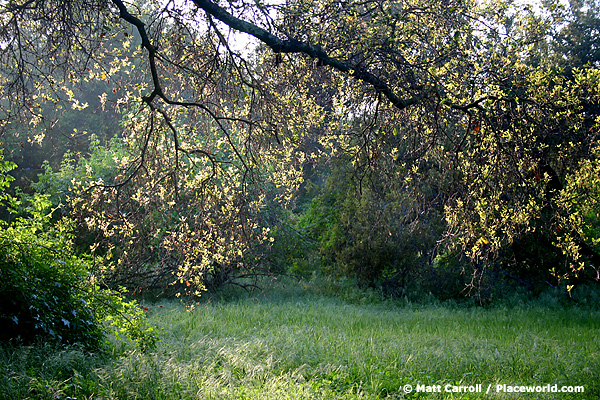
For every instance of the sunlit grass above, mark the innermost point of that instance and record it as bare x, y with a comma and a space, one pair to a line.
312, 347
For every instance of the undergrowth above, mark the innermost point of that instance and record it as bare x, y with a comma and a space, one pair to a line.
294, 342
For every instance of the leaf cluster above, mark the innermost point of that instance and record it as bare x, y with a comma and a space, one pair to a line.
49, 292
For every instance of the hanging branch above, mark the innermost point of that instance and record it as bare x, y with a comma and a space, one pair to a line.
296, 46
157, 87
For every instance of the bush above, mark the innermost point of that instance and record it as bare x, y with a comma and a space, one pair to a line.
47, 291
373, 231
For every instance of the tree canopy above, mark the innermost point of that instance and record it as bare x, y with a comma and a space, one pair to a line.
472, 127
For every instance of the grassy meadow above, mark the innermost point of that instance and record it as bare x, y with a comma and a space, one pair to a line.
293, 344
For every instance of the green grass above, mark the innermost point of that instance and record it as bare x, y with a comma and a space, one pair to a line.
313, 347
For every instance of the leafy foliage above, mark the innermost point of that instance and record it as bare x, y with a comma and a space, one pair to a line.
166, 232
49, 292
470, 130
360, 234
518, 173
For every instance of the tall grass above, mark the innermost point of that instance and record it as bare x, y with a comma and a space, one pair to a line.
302, 346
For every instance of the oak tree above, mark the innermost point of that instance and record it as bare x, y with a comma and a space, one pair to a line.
213, 132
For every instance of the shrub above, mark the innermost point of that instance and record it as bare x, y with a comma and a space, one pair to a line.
373, 231
47, 291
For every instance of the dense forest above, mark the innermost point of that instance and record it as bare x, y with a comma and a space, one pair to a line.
420, 147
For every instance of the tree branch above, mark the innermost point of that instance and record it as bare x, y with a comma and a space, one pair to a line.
295, 46
141, 28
